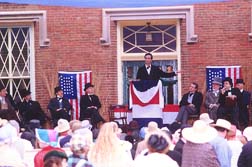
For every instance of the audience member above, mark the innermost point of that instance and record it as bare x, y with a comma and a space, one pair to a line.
158, 145
220, 144
109, 150
212, 98
9, 156
245, 158
235, 144
59, 106
142, 145
205, 118
90, 105
189, 104
55, 158
80, 144
197, 151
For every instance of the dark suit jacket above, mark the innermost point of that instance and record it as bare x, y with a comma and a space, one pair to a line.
31, 110
155, 73
234, 91
245, 159
85, 102
54, 105
197, 100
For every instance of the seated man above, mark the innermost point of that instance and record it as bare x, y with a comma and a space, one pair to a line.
89, 105
189, 104
230, 101
59, 106
30, 109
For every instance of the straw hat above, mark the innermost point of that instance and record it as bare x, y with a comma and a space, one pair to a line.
86, 124
63, 125
248, 133
205, 117
222, 123
200, 132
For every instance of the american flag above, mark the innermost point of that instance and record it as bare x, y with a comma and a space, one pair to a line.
222, 71
72, 84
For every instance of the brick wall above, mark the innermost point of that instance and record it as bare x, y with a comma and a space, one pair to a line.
74, 33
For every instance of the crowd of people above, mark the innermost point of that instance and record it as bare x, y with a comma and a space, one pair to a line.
77, 144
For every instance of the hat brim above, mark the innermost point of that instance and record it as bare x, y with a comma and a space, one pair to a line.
203, 137
220, 126
218, 83
88, 87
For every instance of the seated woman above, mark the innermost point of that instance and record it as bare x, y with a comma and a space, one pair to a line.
89, 106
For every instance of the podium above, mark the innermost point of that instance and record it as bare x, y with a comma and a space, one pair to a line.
146, 101
169, 82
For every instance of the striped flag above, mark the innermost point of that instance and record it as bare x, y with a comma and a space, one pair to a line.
222, 71
72, 84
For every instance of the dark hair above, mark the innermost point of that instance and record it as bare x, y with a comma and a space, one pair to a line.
157, 143
55, 153
50, 162
195, 84
148, 54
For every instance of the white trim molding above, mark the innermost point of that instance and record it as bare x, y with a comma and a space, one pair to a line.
30, 17
250, 34
172, 12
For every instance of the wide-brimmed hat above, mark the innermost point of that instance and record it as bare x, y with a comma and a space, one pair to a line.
217, 80
205, 117
62, 126
24, 93
200, 132
238, 81
248, 133
88, 85
86, 124
222, 123
57, 89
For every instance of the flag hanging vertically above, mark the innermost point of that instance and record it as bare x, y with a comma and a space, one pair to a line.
222, 71
72, 84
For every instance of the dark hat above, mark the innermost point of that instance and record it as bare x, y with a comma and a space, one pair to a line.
217, 80
55, 153
88, 85
57, 89
240, 81
24, 92
2, 86
228, 79
34, 123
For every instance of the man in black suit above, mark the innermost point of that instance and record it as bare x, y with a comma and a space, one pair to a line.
59, 106
230, 101
151, 72
189, 104
244, 110
30, 109
89, 106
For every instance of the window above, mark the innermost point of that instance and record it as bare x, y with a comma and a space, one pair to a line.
15, 59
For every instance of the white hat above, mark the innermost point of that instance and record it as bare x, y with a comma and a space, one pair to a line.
222, 123
86, 124
205, 117
248, 133
200, 132
63, 125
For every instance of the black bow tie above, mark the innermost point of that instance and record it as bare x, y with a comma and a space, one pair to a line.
59, 98
148, 67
